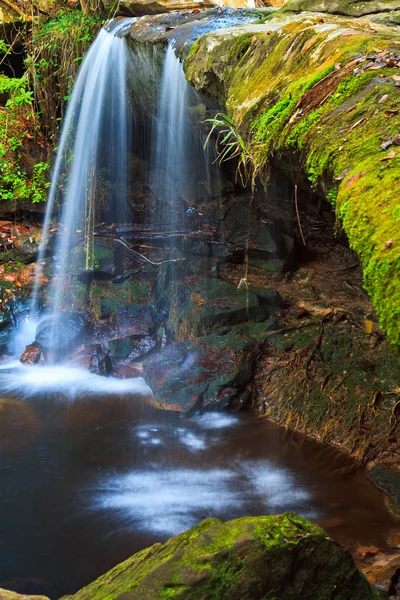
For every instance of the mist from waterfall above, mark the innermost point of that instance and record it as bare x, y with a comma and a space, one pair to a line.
91, 161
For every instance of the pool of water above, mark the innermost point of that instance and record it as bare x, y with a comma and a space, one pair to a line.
90, 474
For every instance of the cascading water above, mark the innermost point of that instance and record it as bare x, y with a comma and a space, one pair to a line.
181, 168
91, 162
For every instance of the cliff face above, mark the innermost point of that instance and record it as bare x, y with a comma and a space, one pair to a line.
322, 94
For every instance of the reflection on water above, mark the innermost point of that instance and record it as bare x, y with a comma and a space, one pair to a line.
88, 482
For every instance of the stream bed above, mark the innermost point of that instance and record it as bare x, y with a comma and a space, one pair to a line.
90, 474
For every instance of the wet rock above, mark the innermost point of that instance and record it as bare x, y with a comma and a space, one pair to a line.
32, 354
61, 333
267, 296
106, 298
387, 478
7, 595
134, 346
208, 371
253, 558
128, 371
135, 320
26, 246
215, 302
99, 264
93, 358
243, 228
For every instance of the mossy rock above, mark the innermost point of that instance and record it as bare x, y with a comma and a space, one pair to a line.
214, 302
254, 558
106, 298
387, 478
316, 93
7, 595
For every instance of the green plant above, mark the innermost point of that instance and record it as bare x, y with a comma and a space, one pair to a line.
230, 145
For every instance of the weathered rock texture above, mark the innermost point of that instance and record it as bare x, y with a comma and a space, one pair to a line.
281, 557
320, 93
386, 11
7, 595
138, 8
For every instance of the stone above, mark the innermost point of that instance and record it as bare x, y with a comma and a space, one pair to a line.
206, 372
387, 478
252, 558
243, 228
32, 354
26, 246
93, 358
61, 333
128, 371
135, 320
214, 302
344, 7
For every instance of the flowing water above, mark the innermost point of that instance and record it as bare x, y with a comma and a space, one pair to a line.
87, 479
98, 118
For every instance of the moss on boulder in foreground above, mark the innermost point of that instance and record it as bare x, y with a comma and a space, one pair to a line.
277, 557
322, 92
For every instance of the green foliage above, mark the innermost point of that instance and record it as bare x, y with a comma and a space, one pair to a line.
57, 49
18, 128
233, 145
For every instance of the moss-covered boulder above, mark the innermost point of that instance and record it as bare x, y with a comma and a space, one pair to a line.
263, 558
211, 303
321, 94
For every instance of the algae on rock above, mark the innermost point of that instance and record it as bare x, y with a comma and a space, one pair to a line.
281, 556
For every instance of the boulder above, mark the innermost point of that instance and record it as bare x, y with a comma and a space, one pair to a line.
61, 333
26, 246
205, 372
135, 320
214, 302
32, 354
128, 371
253, 558
93, 358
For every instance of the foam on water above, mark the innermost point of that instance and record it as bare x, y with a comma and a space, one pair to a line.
66, 382
168, 501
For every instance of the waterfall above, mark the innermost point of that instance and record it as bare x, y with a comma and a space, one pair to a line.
181, 168
92, 152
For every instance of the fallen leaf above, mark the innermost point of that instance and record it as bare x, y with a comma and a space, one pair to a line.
253, 39
389, 156
353, 179
390, 113
384, 97
368, 326
396, 77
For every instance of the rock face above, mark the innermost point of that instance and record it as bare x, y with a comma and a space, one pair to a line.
280, 556
32, 354
324, 88
61, 333
386, 11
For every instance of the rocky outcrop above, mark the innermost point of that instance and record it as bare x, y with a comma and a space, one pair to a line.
384, 11
280, 556
321, 93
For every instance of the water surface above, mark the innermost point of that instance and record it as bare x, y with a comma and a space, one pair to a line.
91, 474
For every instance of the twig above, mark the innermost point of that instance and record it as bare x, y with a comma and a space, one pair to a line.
155, 264
15, 8
314, 350
297, 213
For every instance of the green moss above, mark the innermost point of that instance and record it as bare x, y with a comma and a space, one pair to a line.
280, 556
107, 298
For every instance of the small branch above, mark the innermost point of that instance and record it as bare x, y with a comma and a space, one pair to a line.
155, 264
15, 8
297, 213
